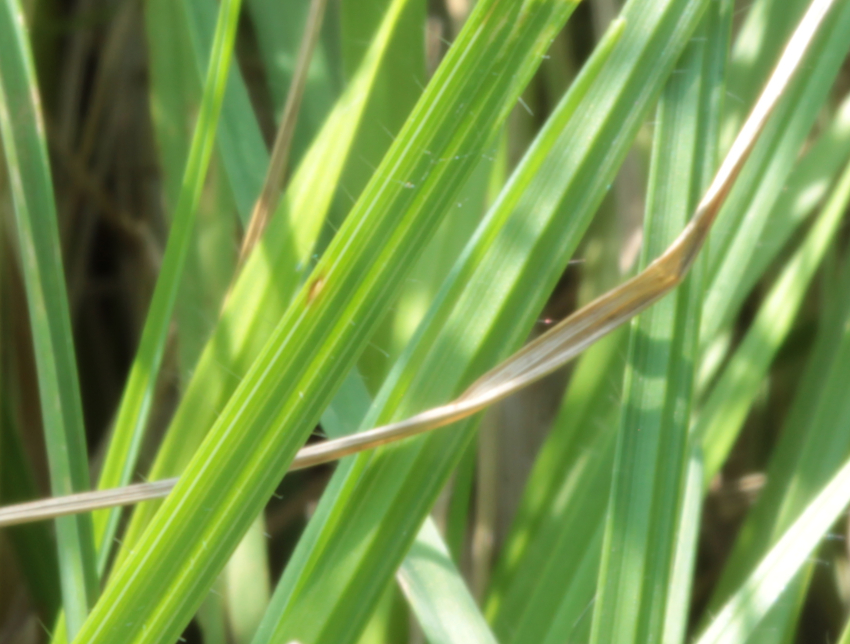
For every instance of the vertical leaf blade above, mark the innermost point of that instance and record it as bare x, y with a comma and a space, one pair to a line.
38, 239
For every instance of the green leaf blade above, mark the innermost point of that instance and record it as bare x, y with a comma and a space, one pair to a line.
643, 524
38, 238
238, 465
135, 407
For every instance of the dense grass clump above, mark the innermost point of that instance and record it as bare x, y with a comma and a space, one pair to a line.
235, 228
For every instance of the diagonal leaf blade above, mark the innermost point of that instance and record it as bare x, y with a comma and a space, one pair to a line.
160, 584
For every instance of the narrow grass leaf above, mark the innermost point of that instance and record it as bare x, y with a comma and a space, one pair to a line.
136, 401
792, 193
545, 580
279, 162
734, 246
643, 532
432, 584
723, 414
31, 186
766, 26
278, 27
811, 447
247, 586
34, 545
436, 592
240, 142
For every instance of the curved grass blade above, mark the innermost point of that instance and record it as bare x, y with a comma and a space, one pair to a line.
363, 524
31, 186
604, 314
360, 535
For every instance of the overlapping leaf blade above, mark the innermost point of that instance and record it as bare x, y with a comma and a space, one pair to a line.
162, 581
270, 277
363, 507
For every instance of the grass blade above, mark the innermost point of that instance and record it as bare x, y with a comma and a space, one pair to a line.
437, 594
432, 584
278, 27
276, 173
370, 496
28, 166
160, 584
241, 148
813, 441
722, 416
734, 247
788, 195
546, 578
136, 402
643, 531
259, 297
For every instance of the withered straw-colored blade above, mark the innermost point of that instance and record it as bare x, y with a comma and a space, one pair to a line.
276, 173
540, 357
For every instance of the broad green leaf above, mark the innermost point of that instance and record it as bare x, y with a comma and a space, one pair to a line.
261, 293
154, 592
31, 186
368, 517
643, 528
